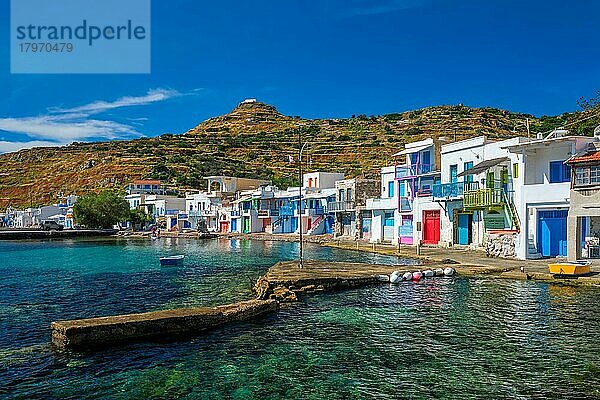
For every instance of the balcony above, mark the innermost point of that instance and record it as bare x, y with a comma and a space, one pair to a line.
313, 212
483, 198
408, 171
453, 190
286, 211
341, 206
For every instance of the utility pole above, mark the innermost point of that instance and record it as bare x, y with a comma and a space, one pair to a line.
300, 150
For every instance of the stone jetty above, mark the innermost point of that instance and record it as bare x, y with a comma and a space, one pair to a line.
285, 280
166, 324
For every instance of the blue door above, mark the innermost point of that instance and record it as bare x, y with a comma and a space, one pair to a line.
294, 224
234, 225
552, 233
464, 225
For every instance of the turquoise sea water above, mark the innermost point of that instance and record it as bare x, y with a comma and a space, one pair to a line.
442, 338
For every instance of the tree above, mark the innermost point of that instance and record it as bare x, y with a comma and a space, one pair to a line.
139, 218
588, 104
101, 210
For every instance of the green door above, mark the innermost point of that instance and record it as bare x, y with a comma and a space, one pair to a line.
246, 225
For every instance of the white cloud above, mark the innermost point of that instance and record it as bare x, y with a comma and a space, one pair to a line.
66, 130
8, 147
63, 126
152, 96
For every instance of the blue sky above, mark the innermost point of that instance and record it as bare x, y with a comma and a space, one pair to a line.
315, 58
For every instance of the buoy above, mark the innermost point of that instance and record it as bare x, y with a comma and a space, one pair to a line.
383, 278
395, 277
416, 276
428, 273
439, 272
407, 276
448, 271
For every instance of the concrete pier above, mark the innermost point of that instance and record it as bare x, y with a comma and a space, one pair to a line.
103, 331
18, 234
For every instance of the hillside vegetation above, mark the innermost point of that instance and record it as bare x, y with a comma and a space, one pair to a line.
255, 140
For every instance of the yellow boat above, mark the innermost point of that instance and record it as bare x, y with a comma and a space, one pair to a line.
575, 268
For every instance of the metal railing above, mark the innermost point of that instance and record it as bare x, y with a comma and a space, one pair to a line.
341, 206
406, 171
448, 190
482, 198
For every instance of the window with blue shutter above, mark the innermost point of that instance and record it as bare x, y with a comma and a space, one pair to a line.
559, 172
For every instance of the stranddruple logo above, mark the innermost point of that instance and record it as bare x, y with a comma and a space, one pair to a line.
80, 36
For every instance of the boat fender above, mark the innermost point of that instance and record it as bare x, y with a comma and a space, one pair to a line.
449, 271
416, 276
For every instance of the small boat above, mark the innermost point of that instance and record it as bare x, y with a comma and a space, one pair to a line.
575, 268
428, 273
171, 260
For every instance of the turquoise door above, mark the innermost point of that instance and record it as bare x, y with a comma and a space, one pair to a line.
463, 229
294, 224
552, 233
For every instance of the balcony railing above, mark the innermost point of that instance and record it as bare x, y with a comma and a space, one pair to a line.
448, 190
483, 198
407, 171
341, 206
286, 211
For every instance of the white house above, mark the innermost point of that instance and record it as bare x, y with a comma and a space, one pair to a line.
321, 180
381, 217
203, 211
509, 196
419, 219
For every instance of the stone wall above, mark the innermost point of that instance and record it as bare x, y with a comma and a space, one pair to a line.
119, 329
501, 245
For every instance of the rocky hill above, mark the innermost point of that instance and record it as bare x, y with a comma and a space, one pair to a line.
254, 140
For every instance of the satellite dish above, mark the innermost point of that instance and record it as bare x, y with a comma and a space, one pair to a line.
597, 131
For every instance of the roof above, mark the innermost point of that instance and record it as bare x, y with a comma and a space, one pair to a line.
595, 156
413, 149
543, 142
483, 166
147, 182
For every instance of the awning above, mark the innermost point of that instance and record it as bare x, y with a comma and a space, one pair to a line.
483, 166
413, 150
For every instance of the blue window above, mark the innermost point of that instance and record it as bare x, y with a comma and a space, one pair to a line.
391, 189
453, 173
388, 218
425, 162
468, 166
559, 172
402, 189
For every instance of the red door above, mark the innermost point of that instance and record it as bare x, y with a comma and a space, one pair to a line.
431, 226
